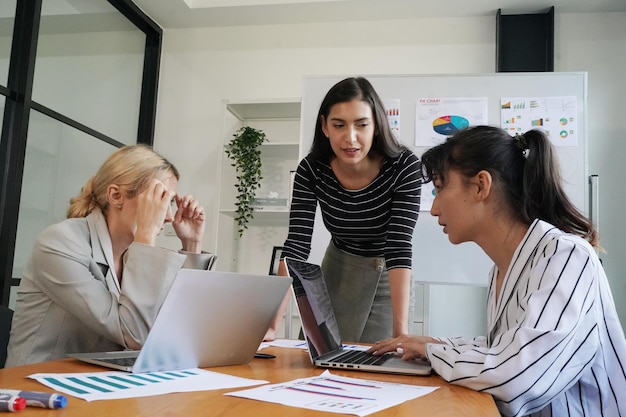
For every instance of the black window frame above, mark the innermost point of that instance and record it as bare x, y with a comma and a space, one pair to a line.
19, 103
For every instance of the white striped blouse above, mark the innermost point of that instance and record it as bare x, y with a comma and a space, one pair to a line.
555, 345
375, 221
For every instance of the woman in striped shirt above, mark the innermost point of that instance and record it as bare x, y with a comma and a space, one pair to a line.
368, 188
555, 345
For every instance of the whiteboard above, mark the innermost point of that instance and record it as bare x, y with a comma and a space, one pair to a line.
435, 259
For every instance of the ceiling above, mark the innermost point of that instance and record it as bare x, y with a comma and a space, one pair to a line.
207, 13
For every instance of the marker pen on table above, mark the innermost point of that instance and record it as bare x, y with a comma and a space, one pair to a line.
37, 399
10, 402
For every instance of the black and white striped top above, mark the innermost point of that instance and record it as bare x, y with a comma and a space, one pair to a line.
377, 220
555, 345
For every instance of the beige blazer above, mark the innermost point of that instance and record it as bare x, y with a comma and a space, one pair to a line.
69, 299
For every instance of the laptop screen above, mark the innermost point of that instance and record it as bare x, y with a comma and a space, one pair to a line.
316, 312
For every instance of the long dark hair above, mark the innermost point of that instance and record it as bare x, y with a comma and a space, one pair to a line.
524, 169
355, 88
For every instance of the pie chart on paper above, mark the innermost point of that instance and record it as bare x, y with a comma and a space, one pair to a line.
447, 125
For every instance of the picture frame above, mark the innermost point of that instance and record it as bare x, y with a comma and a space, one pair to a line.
275, 261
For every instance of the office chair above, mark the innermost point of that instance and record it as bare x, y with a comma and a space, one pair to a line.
6, 317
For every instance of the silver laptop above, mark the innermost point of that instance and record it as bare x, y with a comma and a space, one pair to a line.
322, 332
208, 319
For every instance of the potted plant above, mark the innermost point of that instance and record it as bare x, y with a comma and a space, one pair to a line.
244, 150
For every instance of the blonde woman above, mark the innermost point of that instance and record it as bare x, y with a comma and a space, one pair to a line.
96, 281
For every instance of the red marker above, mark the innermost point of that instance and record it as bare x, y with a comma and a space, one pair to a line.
12, 403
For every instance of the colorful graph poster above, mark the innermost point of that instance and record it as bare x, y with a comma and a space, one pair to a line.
393, 115
557, 116
428, 196
438, 118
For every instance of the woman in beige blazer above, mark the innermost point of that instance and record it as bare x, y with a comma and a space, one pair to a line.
96, 281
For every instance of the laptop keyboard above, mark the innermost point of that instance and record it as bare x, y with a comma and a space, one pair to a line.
360, 357
120, 361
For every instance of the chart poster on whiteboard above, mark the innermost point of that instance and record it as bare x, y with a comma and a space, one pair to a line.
427, 196
557, 116
438, 118
392, 107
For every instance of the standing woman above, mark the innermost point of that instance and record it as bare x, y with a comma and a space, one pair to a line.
368, 188
95, 281
555, 346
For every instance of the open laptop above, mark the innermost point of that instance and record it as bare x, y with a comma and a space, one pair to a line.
322, 332
208, 319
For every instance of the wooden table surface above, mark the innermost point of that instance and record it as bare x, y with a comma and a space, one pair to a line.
289, 364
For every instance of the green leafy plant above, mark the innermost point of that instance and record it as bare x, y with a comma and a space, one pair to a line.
244, 150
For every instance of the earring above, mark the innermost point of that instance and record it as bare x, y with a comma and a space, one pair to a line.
119, 206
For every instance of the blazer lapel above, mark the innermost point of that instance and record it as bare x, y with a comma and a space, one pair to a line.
102, 248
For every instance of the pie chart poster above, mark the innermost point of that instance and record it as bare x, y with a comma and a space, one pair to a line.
438, 118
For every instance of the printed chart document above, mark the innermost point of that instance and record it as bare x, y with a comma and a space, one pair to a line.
556, 116
91, 386
336, 394
301, 344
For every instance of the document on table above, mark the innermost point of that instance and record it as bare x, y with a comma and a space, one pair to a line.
301, 344
336, 394
284, 343
91, 386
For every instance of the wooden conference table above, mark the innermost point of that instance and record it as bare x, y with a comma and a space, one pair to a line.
289, 364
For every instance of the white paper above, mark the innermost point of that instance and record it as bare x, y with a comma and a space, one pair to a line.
336, 394
436, 118
427, 196
92, 386
301, 344
285, 343
392, 106
556, 116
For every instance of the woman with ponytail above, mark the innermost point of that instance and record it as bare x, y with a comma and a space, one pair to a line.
555, 345
95, 281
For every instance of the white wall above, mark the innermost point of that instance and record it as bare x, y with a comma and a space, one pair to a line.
202, 67
597, 43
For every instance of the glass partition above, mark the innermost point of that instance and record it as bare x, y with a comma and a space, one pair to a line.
7, 20
2, 104
90, 94
89, 66
52, 175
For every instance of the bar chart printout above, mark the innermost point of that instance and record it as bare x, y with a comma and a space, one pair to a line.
91, 386
337, 394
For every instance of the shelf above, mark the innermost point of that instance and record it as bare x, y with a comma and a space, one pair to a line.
258, 210
282, 149
279, 119
265, 110
269, 217
278, 149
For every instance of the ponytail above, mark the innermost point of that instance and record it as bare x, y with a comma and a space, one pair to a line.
543, 195
84, 203
524, 168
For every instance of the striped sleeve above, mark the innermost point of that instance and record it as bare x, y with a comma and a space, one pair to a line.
301, 214
405, 205
550, 349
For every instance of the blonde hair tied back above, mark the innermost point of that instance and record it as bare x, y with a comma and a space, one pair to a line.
130, 168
